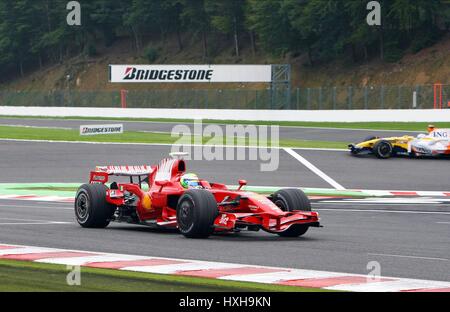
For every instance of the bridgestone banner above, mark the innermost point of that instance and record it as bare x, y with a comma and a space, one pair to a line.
100, 129
189, 73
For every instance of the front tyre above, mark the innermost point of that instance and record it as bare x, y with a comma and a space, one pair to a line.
382, 149
196, 212
91, 208
289, 200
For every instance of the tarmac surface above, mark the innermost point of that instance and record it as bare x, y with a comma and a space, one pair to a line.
22, 162
405, 243
299, 133
409, 238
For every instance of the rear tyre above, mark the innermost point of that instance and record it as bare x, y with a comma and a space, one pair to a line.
91, 208
382, 149
196, 212
289, 200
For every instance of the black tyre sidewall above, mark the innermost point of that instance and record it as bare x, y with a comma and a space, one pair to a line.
82, 220
293, 199
204, 213
376, 149
99, 210
186, 197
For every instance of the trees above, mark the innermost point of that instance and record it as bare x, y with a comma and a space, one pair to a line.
16, 25
271, 26
196, 19
227, 17
33, 32
361, 35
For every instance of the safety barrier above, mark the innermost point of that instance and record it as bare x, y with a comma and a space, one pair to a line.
416, 115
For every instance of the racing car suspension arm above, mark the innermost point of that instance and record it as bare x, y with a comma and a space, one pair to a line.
236, 202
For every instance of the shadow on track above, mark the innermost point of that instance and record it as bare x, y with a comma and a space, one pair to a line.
236, 237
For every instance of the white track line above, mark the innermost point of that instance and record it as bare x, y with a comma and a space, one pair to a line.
34, 223
274, 277
29, 222
171, 144
26, 220
349, 129
90, 259
384, 211
390, 286
174, 268
314, 169
409, 257
392, 201
352, 204
35, 127
34, 207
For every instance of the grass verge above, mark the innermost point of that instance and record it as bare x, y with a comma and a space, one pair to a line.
406, 126
38, 277
24, 133
69, 190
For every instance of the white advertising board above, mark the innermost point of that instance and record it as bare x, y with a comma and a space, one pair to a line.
189, 73
100, 129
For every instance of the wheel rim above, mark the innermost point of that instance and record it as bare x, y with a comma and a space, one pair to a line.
281, 204
185, 215
82, 207
384, 149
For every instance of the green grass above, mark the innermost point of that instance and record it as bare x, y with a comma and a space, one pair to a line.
70, 190
26, 133
406, 126
38, 277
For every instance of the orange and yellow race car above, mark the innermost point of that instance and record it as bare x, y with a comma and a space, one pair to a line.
435, 143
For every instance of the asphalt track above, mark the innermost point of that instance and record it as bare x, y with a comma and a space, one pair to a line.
408, 240
300, 133
405, 243
22, 162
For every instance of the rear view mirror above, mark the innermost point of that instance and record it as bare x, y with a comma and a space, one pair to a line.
242, 183
161, 183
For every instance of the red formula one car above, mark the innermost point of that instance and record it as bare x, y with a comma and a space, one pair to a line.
197, 210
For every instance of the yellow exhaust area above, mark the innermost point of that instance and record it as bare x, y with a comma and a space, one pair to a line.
146, 202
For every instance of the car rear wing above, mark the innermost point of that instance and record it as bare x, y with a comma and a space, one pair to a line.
102, 173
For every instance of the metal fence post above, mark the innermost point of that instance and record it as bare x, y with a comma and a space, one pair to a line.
320, 98
417, 95
350, 97
298, 98
334, 97
382, 97
308, 99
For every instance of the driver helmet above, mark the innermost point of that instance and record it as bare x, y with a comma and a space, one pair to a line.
189, 180
431, 128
